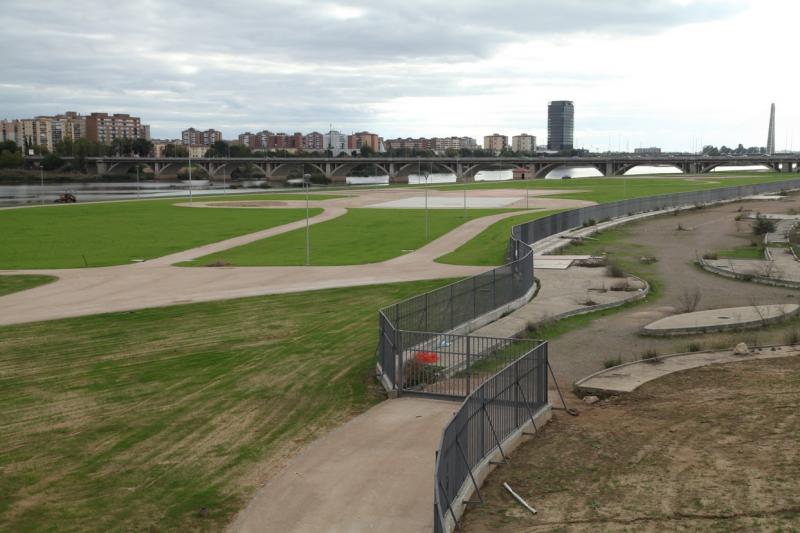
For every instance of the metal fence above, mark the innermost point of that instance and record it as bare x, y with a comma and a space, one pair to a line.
456, 305
487, 418
447, 365
537, 230
452, 306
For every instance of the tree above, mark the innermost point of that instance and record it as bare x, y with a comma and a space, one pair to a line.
710, 150
175, 150
366, 151
52, 162
11, 159
9, 146
142, 147
122, 146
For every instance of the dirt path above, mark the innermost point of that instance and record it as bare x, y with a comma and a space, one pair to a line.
582, 352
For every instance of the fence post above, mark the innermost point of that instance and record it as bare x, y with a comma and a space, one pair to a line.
516, 395
427, 324
469, 368
400, 378
474, 298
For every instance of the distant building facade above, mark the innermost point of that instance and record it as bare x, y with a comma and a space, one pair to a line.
193, 137
104, 128
652, 150
364, 138
560, 125
314, 142
523, 143
336, 142
440, 145
495, 143
408, 144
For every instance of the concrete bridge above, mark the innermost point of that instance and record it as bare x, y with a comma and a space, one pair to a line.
399, 168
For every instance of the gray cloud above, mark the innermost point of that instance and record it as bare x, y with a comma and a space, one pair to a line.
282, 64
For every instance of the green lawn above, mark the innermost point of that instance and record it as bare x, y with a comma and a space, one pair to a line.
102, 234
488, 248
603, 190
9, 284
361, 236
135, 421
742, 252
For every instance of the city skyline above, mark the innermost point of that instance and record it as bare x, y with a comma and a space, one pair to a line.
618, 62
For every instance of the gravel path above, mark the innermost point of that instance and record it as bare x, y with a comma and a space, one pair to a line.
582, 352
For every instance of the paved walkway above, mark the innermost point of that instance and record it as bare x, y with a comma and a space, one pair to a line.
155, 283
374, 473
630, 376
562, 293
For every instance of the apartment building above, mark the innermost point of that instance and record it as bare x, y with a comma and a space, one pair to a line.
442, 144
364, 138
408, 144
314, 142
193, 137
495, 143
104, 128
524, 143
284, 141
335, 141
45, 131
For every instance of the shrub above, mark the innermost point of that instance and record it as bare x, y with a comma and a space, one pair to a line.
650, 355
689, 299
611, 363
710, 255
792, 337
416, 373
590, 222
648, 259
694, 347
680, 227
613, 270
763, 225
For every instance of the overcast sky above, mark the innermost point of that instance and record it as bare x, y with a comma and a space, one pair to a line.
670, 73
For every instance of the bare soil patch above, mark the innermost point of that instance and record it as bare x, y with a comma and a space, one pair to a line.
582, 351
710, 449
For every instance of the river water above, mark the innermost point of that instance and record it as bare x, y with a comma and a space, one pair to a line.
11, 195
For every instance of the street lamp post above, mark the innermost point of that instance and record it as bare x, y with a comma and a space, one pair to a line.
426, 207
138, 191
307, 185
41, 189
190, 174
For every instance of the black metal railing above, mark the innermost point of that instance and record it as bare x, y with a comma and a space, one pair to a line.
448, 365
454, 306
487, 418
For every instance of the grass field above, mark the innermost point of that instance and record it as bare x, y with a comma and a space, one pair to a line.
488, 248
9, 284
360, 236
103, 234
136, 421
604, 190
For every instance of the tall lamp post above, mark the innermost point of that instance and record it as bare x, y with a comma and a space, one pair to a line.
41, 188
306, 186
190, 174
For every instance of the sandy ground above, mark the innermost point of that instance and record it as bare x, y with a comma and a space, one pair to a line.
582, 352
711, 449
156, 283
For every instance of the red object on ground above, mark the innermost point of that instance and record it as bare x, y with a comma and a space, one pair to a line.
427, 357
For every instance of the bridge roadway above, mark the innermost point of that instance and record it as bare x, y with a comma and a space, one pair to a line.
399, 168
